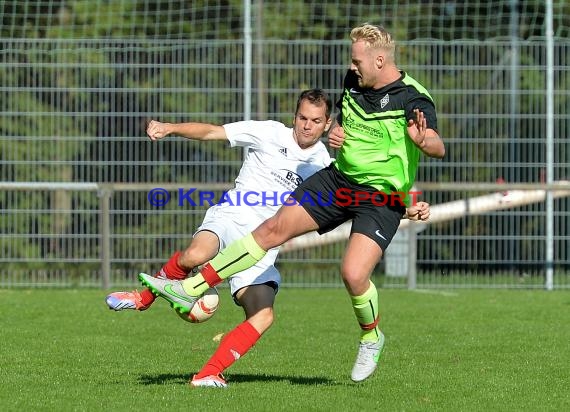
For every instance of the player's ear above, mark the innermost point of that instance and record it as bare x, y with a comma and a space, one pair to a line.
328, 124
379, 61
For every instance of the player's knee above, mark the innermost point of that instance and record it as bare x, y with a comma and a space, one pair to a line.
270, 227
190, 258
271, 233
349, 274
354, 281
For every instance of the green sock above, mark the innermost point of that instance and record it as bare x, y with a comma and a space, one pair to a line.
239, 255
366, 311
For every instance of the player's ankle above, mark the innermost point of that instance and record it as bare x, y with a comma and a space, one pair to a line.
147, 297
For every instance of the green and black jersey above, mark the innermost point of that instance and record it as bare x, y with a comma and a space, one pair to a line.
377, 150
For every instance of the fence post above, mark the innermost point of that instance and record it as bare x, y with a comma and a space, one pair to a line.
104, 194
412, 256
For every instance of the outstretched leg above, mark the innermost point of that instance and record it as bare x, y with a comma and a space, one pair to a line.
288, 222
202, 248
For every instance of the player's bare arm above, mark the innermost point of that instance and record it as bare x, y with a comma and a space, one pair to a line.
426, 139
196, 131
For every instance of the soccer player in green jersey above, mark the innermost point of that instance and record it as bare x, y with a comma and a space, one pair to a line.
386, 120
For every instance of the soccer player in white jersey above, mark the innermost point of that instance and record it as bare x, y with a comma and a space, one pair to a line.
277, 160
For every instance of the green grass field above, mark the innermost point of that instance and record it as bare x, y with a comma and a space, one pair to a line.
466, 350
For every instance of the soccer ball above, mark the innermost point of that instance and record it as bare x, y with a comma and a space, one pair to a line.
204, 308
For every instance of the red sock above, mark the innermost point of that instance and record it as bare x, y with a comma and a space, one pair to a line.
233, 346
147, 297
171, 270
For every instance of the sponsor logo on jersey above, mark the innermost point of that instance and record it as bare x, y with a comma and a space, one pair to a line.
293, 177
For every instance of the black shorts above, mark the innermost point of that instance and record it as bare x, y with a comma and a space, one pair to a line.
331, 199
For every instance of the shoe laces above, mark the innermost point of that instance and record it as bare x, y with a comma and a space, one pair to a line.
365, 350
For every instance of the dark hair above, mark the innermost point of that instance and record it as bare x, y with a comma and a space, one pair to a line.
316, 97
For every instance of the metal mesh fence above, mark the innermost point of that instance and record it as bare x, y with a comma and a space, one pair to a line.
79, 81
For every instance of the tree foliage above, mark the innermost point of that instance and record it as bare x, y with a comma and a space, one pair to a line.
80, 80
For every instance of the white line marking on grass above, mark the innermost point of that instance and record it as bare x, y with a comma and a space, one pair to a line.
435, 292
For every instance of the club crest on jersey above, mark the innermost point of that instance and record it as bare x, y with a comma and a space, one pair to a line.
385, 100
283, 151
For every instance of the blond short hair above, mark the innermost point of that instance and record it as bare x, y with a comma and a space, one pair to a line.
375, 37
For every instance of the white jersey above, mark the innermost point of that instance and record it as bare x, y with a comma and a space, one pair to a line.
273, 167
